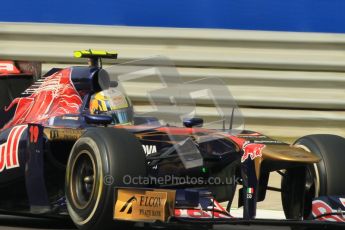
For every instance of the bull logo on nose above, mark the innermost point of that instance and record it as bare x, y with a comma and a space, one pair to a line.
252, 150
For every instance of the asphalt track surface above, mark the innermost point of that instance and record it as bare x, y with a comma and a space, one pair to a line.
26, 223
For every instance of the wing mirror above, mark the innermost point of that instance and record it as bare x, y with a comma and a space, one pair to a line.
193, 122
98, 119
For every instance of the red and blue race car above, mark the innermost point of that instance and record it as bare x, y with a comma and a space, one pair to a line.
75, 146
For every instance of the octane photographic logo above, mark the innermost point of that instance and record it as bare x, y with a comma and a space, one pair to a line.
129, 180
175, 180
164, 94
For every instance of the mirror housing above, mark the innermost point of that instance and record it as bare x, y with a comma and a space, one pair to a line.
193, 122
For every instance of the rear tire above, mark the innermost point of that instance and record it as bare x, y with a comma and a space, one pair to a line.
98, 162
323, 178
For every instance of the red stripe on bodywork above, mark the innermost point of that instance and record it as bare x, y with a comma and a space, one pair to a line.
16, 145
2, 157
8, 146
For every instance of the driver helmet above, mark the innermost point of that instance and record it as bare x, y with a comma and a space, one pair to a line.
113, 103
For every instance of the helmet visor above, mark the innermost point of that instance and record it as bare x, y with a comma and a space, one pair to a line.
122, 116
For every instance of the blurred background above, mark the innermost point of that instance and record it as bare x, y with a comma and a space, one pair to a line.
283, 61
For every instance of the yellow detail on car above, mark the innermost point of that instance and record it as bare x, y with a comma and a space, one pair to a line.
95, 53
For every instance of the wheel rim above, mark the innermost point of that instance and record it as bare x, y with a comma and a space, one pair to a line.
313, 177
83, 175
312, 187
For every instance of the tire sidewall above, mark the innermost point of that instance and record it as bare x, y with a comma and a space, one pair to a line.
102, 169
331, 150
117, 153
327, 174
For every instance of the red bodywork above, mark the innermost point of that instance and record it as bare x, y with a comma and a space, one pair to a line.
7, 68
56, 96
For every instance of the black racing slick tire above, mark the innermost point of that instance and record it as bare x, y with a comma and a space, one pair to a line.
98, 162
323, 178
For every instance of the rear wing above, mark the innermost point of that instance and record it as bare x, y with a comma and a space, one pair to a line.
20, 68
15, 78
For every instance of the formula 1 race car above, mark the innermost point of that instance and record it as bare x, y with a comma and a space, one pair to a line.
74, 146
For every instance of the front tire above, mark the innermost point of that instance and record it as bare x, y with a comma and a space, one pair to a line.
98, 162
322, 179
